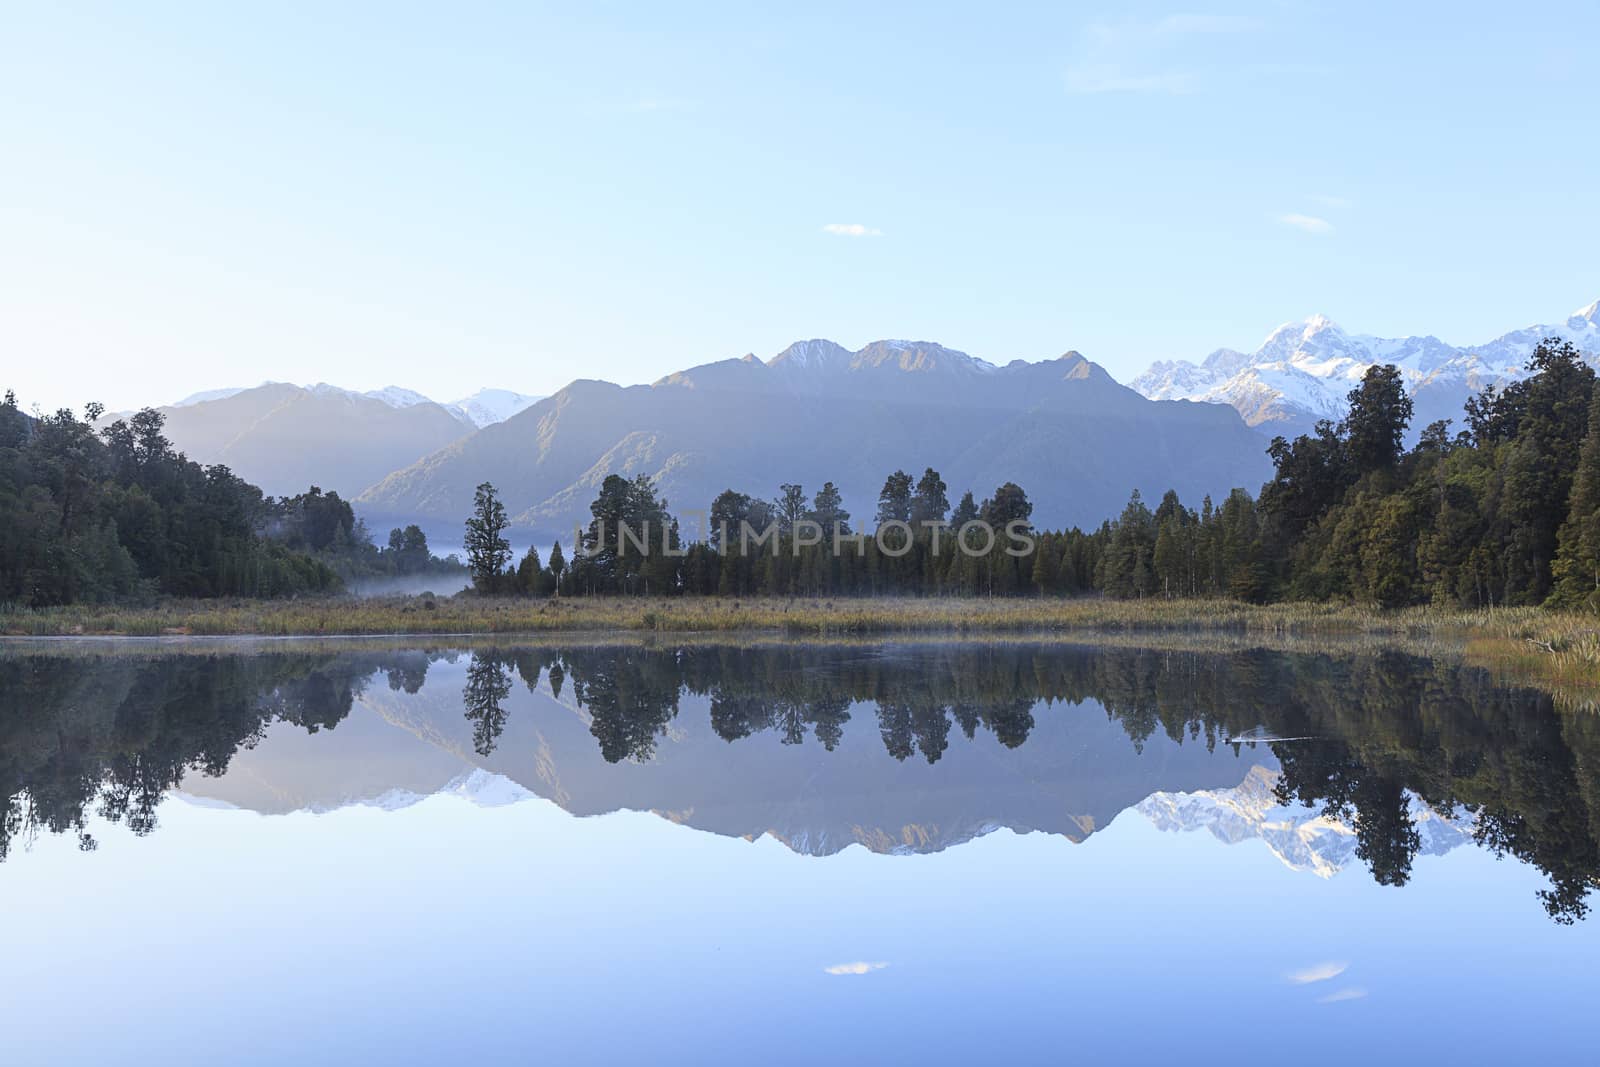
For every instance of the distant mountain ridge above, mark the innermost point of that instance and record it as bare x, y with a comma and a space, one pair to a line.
482, 408
1303, 371
286, 438
1076, 440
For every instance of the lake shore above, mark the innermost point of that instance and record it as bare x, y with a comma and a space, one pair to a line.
1550, 648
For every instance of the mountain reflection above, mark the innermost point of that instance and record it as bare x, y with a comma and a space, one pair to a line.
110, 734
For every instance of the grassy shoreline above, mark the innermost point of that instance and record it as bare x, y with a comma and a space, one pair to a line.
1548, 648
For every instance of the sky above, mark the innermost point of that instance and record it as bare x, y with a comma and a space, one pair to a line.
195, 196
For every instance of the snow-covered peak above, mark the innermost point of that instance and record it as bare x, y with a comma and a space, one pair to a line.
814, 354
396, 397
1305, 370
324, 389
1316, 345
489, 406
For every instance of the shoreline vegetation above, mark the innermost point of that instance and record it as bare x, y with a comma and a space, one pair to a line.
1487, 541
1533, 645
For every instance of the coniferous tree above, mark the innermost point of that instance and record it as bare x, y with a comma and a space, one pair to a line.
965, 512
558, 568
827, 511
790, 507
894, 501
1380, 411
531, 574
488, 551
1577, 566
930, 502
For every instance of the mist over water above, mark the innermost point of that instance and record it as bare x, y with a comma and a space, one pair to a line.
410, 585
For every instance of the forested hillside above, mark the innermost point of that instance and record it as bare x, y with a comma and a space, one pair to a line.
88, 516
1505, 511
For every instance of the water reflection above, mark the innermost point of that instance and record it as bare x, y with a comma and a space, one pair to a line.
771, 739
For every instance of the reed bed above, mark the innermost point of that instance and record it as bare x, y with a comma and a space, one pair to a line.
839, 615
1557, 651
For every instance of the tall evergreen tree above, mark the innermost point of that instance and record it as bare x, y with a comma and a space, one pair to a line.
1380, 411
827, 511
790, 507
930, 502
1577, 566
894, 502
966, 510
488, 551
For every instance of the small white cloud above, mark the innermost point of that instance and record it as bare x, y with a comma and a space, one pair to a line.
1308, 223
854, 968
1353, 993
1319, 972
851, 229
1330, 201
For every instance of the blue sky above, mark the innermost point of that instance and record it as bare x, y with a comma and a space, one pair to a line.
517, 195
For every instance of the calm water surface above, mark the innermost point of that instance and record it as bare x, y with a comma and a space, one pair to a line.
918, 852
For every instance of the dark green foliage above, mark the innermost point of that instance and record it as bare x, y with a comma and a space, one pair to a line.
96, 517
1497, 515
1577, 566
894, 502
1380, 411
929, 503
488, 551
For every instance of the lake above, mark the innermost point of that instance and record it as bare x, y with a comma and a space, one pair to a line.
613, 851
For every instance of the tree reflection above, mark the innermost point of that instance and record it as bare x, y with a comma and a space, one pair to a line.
483, 700
112, 734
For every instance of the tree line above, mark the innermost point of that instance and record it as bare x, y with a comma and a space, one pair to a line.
96, 515
1506, 511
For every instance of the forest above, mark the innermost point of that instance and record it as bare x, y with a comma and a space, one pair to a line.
95, 516
1504, 511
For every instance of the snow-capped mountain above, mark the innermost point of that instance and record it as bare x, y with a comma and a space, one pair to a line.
489, 406
1303, 371
483, 408
1301, 837
819, 412
393, 395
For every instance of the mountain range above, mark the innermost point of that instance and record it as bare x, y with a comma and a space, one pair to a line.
1073, 437
286, 438
1063, 429
1303, 371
